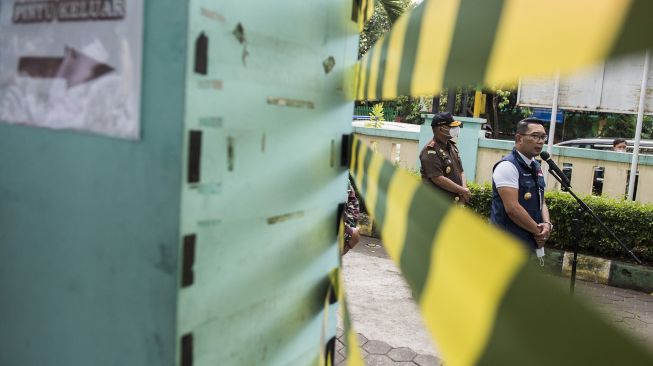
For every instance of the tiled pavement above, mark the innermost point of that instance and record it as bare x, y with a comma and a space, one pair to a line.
379, 353
629, 310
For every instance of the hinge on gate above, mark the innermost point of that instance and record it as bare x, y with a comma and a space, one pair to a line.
188, 261
330, 352
341, 211
187, 350
201, 54
345, 153
355, 5
194, 156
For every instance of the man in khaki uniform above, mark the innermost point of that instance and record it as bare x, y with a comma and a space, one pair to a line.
441, 164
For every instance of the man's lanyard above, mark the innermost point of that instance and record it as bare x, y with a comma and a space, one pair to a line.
535, 176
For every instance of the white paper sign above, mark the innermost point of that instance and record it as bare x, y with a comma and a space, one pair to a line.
72, 64
613, 87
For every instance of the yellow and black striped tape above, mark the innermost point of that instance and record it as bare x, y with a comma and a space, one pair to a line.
354, 357
365, 9
492, 42
335, 293
480, 299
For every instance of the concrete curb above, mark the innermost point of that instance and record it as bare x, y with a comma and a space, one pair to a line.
600, 270
594, 269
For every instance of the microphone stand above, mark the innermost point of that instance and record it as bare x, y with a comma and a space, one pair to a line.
584, 208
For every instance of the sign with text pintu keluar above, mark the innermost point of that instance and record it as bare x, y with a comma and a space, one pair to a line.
72, 64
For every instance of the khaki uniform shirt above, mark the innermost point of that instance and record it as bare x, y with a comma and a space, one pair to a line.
439, 161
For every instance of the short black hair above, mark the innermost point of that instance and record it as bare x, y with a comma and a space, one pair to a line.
618, 141
522, 126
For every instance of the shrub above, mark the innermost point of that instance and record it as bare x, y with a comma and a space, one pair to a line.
376, 116
632, 223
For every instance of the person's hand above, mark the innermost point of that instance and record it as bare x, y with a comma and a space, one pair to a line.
543, 236
466, 195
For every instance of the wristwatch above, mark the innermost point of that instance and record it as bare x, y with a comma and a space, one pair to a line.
550, 225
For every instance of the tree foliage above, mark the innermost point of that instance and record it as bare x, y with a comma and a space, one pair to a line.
386, 13
376, 116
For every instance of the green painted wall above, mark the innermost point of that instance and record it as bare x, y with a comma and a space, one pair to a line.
92, 228
89, 226
265, 209
573, 152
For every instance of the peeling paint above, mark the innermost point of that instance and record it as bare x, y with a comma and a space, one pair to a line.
230, 154
329, 64
210, 84
209, 223
210, 189
588, 268
281, 218
211, 14
239, 32
285, 102
215, 122
332, 163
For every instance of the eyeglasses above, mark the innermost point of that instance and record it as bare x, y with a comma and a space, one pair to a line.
537, 137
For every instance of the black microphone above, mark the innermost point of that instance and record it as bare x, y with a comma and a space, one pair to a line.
553, 166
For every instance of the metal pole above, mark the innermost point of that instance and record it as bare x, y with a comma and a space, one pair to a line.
554, 112
451, 100
638, 130
576, 232
552, 124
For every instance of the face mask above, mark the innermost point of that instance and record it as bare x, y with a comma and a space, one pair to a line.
454, 132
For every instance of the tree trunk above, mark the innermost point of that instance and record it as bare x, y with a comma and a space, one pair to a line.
492, 114
435, 107
465, 102
451, 100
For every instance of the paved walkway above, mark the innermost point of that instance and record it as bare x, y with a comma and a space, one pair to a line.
391, 331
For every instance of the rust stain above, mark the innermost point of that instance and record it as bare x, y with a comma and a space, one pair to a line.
210, 84
286, 102
329, 64
209, 223
212, 15
230, 154
281, 218
239, 33
333, 153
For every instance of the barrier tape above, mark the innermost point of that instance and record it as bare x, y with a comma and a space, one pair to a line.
481, 300
492, 42
354, 357
365, 9
335, 293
